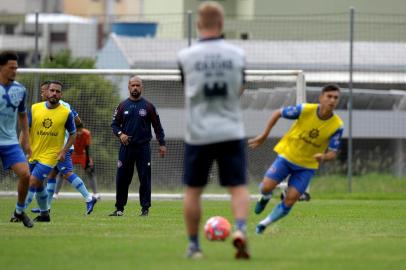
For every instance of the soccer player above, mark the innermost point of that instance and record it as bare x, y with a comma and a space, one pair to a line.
312, 139
48, 122
12, 106
132, 123
63, 167
213, 76
81, 155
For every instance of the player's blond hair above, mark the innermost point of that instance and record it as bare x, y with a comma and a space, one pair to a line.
210, 15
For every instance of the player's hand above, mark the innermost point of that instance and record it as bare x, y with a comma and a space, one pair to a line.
162, 150
61, 155
124, 139
319, 157
89, 166
257, 141
27, 150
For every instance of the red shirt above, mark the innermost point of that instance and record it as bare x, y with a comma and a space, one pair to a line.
81, 142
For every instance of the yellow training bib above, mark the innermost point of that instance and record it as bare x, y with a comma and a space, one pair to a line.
307, 136
47, 132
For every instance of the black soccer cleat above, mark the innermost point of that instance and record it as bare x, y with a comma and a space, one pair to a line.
260, 205
144, 213
43, 218
305, 197
22, 218
116, 213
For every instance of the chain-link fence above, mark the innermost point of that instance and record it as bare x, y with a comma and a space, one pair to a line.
319, 44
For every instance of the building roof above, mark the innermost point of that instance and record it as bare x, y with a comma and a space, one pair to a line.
305, 55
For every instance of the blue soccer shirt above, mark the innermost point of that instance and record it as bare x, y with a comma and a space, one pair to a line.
12, 101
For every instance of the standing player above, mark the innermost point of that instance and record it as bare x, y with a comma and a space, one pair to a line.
312, 139
81, 155
132, 122
65, 167
12, 106
48, 123
213, 76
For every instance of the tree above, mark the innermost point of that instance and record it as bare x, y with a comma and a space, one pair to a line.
94, 98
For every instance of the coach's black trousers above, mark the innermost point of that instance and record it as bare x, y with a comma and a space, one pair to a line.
140, 155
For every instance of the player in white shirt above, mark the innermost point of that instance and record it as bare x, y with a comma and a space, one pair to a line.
213, 76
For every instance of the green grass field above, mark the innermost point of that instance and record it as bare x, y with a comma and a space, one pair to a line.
320, 234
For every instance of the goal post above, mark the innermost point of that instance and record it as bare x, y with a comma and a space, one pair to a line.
95, 93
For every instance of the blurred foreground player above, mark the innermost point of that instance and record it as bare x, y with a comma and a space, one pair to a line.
213, 76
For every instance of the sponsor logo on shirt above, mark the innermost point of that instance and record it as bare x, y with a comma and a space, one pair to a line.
47, 123
142, 112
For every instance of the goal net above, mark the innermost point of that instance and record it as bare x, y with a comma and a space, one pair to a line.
95, 94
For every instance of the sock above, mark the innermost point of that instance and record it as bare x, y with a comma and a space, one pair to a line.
278, 212
77, 183
30, 196
59, 183
50, 190
266, 196
241, 225
42, 199
194, 241
20, 208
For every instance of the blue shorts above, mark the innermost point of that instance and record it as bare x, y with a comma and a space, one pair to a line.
65, 166
39, 170
231, 160
300, 177
11, 154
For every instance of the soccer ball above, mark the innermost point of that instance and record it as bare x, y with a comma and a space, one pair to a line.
217, 228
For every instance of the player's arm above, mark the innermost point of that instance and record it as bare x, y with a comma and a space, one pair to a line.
258, 140
24, 127
333, 147
158, 130
117, 124
24, 135
75, 116
289, 112
71, 128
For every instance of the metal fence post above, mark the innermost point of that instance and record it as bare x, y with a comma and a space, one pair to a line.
351, 70
189, 28
36, 94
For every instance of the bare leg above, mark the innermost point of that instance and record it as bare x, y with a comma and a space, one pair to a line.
240, 201
266, 187
192, 209
240, 207
22, 170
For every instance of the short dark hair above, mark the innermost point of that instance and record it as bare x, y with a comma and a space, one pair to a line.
56, 82
80, 125
7, 56
330, 88
44, 83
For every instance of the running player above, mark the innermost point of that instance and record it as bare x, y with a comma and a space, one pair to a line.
64, 167
12, 106
312, 139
